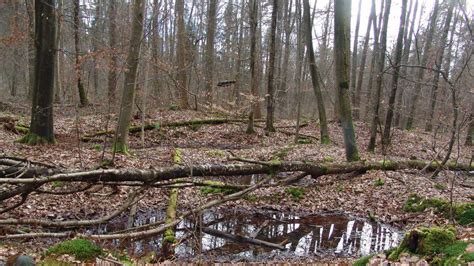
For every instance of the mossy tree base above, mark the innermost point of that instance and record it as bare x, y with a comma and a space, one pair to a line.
120, 147
34, 139
81, 249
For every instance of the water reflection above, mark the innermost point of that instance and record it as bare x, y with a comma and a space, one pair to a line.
329, 234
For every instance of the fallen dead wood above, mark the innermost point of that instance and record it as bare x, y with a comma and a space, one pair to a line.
238, 238
144, 233
188, 123
151, 176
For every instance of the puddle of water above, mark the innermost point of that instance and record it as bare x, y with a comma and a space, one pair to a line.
305, 236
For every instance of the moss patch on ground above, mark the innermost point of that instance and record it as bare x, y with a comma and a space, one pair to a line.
81, 249
435, 244
463, 212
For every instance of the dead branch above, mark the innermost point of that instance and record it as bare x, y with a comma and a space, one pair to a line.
238, 238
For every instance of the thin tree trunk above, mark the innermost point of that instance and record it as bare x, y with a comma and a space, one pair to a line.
112, 75
380, 70
253, 21
271, 71
211, 30
420, 71
363, 60
80, 87
373, 61
324, 132
57, 77
396, 74
438, 64
342, 43
181, 57
354, 62
155, 49
299, 66
403, 72
128, 96
30, 9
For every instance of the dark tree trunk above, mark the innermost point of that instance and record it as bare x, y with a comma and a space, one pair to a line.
112, 76
41, 127
253, 21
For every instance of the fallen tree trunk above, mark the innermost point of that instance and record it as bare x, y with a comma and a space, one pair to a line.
189, 123
151, 176
238, 238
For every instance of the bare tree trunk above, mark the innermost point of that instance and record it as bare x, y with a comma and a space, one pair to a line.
155, 50
128, 96
315, 75
283, 89
80, 87
396, 74
470, 131
342, 43
299, 65
354, 63
57, 77
41, 127
271, 71
438, 64
112, 76
403, 73
181, 56
211, 29
363, 60
30, 9
238, 68
380, 70
373, 61
424, 60
253, 21
96, 37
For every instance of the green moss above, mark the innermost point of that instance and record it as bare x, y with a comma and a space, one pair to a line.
97, 147
455, 249
280, 154
325, 140
440, 186
295, 192
209, 190
250, 198
22, 129
387, 164
465, 217
169, 236
468, 257
120, 147
216, 153
178, 156
157, 126
33, 139
328, 159
463, 213
379, 182
81, 249
57, 184
436, 240
303, 140
362, 261
173, 107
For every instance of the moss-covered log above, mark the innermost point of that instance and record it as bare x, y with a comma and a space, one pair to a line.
188, 123
150, 176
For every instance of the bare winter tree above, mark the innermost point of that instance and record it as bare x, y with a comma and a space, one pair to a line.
342, 40
129, 88
41, 126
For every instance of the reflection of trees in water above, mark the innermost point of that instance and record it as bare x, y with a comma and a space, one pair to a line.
323, 234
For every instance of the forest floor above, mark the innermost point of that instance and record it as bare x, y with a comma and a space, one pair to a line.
378, 195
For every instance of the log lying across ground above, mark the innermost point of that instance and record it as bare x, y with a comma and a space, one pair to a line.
27, 184
151, 176
190, 123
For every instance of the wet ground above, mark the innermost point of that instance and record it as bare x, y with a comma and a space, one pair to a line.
323, 236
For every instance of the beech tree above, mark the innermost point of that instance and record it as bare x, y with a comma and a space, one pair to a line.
129, 87
396, 74
342, 40
41, 126
271, 71
80, 86
313, 70
253, 21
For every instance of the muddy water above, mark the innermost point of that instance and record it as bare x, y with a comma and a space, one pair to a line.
304, 236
